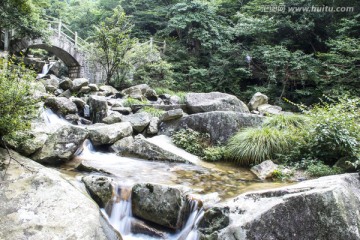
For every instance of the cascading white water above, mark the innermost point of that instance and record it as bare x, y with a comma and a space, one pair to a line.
53, 120
190, 230
46, 68
121, 214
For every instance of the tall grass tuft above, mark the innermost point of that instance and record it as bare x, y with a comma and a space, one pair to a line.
286, 121
254, 145
154, 112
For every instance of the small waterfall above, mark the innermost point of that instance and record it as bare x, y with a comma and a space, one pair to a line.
121, 214
53, 120
46, 68
190, 230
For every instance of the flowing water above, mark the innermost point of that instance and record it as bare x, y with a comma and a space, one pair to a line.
208, 182
45, 70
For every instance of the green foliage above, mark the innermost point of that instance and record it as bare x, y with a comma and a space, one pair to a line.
112, 42
191, 141
334, 131
254, 145
286, 121
154, 112
24, 16
16, 102
320, 169
214, 154
132, 101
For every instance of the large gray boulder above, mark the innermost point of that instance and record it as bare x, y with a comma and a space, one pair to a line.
325, 209
257, 100
61, 145
123, 145
38, 203
78, 83
153, 126
137, 91
103, 134
139, 121
113, 117
100, 188
214, 101
159, 204
61, 105
98, 108
220, 125
267, 109
160, 148
26, 143
66, 84
108, 90
172, 114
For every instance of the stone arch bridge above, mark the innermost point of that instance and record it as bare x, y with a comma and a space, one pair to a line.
67, 46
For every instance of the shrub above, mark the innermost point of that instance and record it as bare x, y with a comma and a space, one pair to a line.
191, 141
214, 154
333, 132
319, 169
153, 111
254, 145
16, 102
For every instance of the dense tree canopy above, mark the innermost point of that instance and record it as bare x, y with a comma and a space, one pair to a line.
227, 45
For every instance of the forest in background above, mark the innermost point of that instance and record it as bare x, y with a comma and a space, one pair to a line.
223, 45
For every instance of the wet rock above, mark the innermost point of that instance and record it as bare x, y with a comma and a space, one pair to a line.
160, 148
102, 134
257, 100
61, 105
172, 114
139, 227
100, 188
98, 108
58, 92
151, 95
51, 84
267, 109
78, 102
123, 145
214, 219
114, 117
220, 125
264, 170
73, 118
108, 90
139, 121
66, 94
153, 126
93, 87
214, 101
61, 145
85, 89
66, 84
38, 203
78, 83
158, 204
122, 110
324, 208
26, 143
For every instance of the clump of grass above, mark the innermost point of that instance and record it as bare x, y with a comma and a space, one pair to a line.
161, 91
286, 121
254, 145
132, 101
154, 112
182, 96
191, 141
